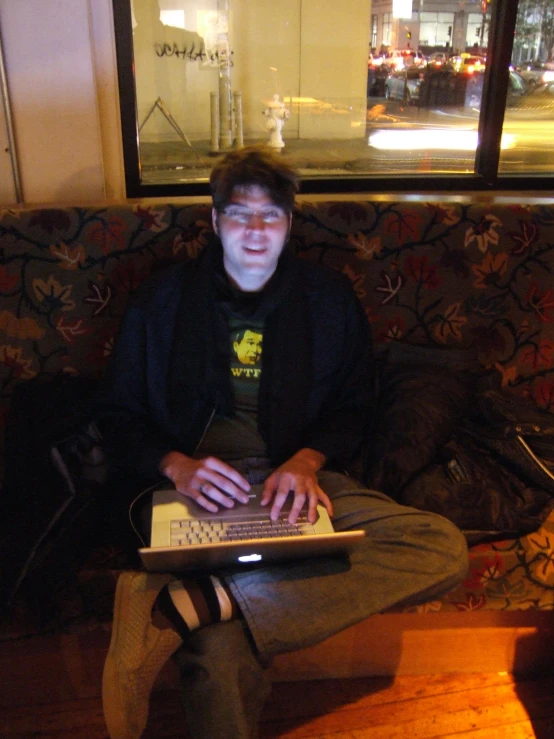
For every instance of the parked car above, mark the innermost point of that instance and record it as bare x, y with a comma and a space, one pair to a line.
399, 58
467, 63
437, 59
419, 58
444, 88
517, 89
539, 101
374, 60
404, 84
536, 72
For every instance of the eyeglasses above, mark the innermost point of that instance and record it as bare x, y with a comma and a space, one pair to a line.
243, 215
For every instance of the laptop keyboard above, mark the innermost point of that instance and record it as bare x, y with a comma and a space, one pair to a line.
186, 532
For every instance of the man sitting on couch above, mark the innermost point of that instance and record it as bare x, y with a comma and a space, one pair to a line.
174, 408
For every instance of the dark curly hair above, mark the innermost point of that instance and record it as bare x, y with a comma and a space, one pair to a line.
254, 166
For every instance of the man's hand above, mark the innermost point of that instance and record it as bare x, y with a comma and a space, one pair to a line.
207, 481
297, 476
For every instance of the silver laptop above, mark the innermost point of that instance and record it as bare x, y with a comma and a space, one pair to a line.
187, 537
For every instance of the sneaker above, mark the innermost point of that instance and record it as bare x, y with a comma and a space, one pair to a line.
138, 650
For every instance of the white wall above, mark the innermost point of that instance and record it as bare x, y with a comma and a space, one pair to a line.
303, 49
107, 97
50, 70
265, 38
7, 185
335, 44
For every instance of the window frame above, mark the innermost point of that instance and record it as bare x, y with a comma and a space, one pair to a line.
485, 178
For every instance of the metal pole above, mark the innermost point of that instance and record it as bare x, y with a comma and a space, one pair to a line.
225, 111
9, 125
224, 59
239, 134
214, 122
482, 35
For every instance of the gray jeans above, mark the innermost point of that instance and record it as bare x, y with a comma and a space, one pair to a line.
407, 556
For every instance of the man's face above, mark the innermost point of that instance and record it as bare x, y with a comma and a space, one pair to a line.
253, 231
249, 348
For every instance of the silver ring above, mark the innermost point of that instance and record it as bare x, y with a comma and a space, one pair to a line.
201, 489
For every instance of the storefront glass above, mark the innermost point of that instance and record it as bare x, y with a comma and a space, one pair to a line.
347, 91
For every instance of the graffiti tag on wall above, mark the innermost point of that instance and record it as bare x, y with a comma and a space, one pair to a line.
207, 56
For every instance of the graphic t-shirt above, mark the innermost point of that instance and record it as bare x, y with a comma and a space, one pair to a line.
246, 341
238, 437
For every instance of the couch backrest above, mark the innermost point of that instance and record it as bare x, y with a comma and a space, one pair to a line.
443, 274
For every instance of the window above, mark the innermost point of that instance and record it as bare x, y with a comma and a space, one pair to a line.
387, 29
436, 28
374, 26
314, 79
529, 109
474, 28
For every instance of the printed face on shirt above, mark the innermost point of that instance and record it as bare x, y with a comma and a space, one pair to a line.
248, 347
253, 231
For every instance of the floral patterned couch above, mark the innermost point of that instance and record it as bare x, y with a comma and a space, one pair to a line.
444, 274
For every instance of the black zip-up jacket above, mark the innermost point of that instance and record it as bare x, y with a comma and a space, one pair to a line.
166, 376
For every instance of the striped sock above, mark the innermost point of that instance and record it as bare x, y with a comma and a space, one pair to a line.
190, 603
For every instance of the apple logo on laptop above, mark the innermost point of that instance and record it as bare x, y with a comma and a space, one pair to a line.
250, 558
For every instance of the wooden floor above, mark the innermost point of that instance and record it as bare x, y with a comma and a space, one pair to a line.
482, 706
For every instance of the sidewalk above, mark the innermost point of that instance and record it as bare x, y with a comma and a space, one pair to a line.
176, 161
